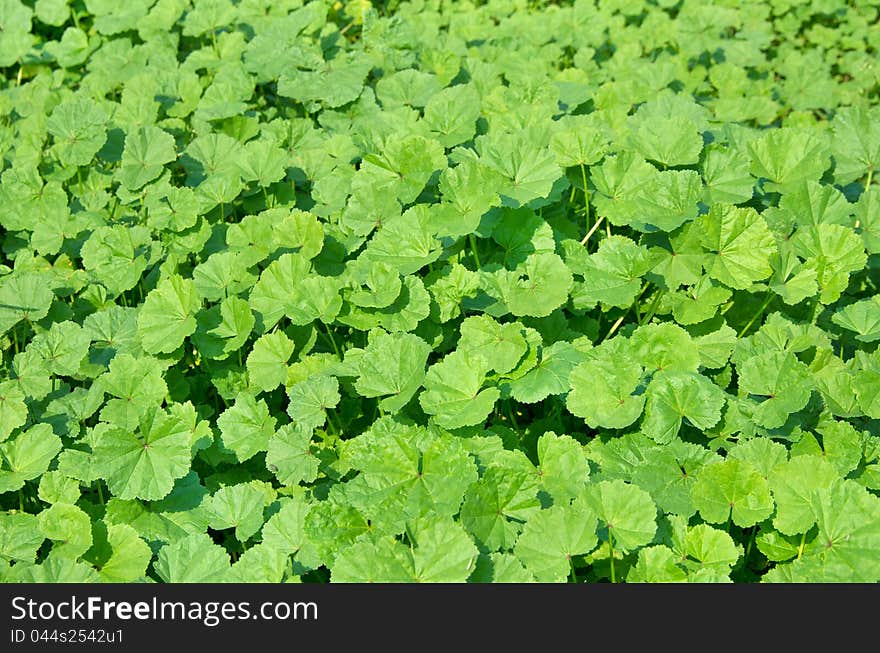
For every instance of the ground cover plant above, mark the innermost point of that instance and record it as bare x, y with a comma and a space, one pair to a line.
439, 291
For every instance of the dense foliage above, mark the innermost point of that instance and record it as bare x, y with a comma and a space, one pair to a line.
439, 291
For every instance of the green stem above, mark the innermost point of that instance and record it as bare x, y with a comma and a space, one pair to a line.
801, 545
21, 499
574, 578
652, 308
586, 192
750, 543
474, 250
611, 554
635, 304
870, 176
100, 492
817, 309
758, 314
511, 413
266, 197
332, 340
335, 429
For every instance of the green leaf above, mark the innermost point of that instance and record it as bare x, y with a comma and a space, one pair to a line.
147, 150
392, 366
55, 487
289, 456
793, 484
671, 140
625, 511
500, 345
578, 143
611, 276
405, 165
537, 287
761, 453
664, 347
383, 286
284, 530
787, 156
811, 203
406, 243
656, 564
614, 403
835, 252
63, 347
124, 557
56, 569
739, 243
68, 527
564, 468
117, 256
259, 564
469, 190
552, 537
453, 394
734, 490
496, 506
27, 455
137, 385
145, 464
862, 317
167, 315
549, 376
26, 297
246, 426
855, 143
500, 568
237, 506
726, 176
675, 396
340, 82
441, 553
451, 114
20, 537
668, 475
528, 171
267, 361
667, 201
706, 548
13, 409
699, 302
849, 532
779, 383
223, 328
310, 400
79, 128
406, 478
192, 559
